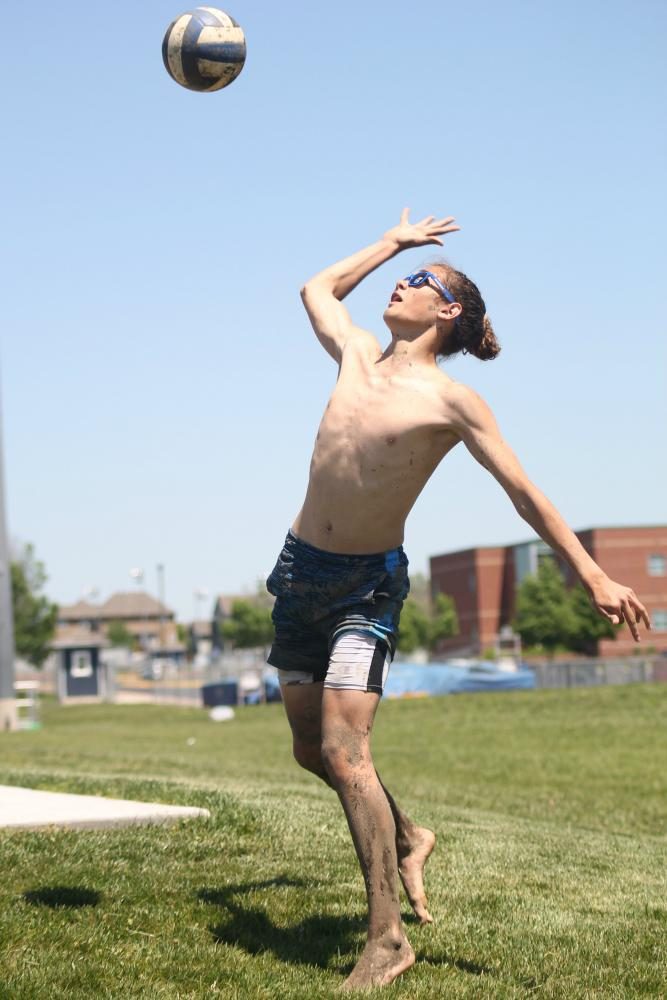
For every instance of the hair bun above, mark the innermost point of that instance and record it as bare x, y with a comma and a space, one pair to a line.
488, 347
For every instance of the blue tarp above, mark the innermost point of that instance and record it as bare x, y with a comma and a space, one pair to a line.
444, 678
438, 678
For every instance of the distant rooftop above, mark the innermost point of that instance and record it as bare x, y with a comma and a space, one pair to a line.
132, 604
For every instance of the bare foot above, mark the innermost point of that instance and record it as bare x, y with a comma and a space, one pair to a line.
412, 856
381, 962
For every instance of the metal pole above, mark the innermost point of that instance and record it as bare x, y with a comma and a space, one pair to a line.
8, 720
160, 577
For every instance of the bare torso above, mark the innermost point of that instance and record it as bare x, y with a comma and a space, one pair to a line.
383, 433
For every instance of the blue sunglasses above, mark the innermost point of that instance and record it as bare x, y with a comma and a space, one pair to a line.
419, 278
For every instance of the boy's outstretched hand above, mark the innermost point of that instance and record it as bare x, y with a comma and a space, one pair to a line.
418, 234
617, 603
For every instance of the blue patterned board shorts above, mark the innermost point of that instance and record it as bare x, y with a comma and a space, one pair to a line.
336, 616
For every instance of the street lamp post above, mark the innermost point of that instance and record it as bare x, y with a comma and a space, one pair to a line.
160, 578
137, 575
8, 719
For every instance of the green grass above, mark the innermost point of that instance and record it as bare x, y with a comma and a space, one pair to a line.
548, 880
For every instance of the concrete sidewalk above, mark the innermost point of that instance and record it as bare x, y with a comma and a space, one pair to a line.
27, 808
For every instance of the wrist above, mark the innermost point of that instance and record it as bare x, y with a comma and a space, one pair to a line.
391, 244
593, 578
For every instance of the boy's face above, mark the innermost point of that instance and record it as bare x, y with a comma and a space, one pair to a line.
413, 307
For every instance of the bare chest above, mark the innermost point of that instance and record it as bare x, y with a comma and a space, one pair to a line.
387, 421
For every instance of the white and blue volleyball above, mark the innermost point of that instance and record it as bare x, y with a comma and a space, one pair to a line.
204, 49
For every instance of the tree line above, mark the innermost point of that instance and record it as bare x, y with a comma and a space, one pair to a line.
548, 615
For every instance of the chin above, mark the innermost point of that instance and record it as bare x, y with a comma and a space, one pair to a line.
388, 318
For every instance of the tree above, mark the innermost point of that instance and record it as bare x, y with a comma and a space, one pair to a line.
588, 625
421, 629
35, 616
444, 620
118, 634
249, 625
414, 628
420, 591
544, 616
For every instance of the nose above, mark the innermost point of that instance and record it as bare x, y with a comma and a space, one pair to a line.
402, 283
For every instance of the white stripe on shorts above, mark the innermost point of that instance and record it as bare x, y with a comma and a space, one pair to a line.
359, 661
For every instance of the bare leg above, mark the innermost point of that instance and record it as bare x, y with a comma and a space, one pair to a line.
347, 718
414, 844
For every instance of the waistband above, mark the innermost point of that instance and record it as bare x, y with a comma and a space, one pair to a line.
390, 556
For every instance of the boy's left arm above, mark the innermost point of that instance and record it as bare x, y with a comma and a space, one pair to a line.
477, 428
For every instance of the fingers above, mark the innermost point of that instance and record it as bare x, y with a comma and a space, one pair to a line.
642, 615
634, 612
626, 608
446, 225
404, 215
622, 604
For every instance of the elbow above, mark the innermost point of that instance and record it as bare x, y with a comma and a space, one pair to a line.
522, 499
314, 285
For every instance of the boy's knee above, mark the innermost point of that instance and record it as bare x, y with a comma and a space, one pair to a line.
344, 754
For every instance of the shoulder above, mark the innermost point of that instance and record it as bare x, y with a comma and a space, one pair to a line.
464, 406
361, 343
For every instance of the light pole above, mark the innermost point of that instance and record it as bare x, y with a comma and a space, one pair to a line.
137, 575
160, 579
200, 594
8, 720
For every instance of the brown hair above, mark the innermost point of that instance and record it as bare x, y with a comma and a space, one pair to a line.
473, 333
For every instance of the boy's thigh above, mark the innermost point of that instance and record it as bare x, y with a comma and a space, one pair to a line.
303, 707
347, 716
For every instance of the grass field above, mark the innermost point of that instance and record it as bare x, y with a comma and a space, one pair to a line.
549, 878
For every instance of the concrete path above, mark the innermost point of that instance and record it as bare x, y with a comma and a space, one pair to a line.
27, 808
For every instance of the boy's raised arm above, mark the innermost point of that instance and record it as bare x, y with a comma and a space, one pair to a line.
323, 293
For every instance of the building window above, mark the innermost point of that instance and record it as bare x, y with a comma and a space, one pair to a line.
659, 621
657, 565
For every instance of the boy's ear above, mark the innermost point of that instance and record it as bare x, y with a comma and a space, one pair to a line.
449, 310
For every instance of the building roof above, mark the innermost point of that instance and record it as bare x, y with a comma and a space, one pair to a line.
74, 636
133, 604
74, 612
536, 538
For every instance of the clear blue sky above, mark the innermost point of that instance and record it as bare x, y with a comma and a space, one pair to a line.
161, 384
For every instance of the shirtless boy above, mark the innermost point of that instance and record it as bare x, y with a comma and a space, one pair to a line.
341, 579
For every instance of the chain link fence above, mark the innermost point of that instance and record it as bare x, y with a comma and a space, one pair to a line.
594, 672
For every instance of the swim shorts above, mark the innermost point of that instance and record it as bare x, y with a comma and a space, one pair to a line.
336, 616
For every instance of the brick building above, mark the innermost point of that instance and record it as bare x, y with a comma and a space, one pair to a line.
483, 583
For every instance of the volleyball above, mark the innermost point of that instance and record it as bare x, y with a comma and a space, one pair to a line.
204, 49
